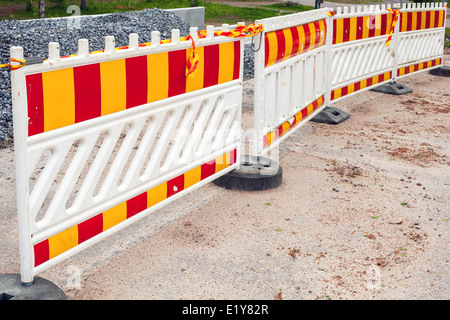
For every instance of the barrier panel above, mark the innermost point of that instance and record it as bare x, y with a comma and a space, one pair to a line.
103, 139
360, 58
421, 37
290, 75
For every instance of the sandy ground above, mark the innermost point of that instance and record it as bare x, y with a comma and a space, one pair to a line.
362, 213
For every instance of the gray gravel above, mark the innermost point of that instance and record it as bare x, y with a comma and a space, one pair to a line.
34, 36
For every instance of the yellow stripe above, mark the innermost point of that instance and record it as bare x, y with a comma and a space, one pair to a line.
432, 20
222, 162
158, 76
414, 21
411, 69
401, 71
301, 38
114, 216
441, 19
114, 86
363, 84
323, 31
337, 93
377, 25
310, 108
157, 194
285, 126
366, 22
226, 62
63, 241
387, 76
404, 18
353, 28
429, 64
423, 20
273, 47
350, 88
195, 81
312, 32
59, 98
192, 177
288, 43
389, 19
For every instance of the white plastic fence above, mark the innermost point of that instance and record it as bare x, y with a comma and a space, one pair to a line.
291, 66
103, 139
361, 47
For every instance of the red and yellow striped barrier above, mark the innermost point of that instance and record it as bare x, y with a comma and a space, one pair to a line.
286, 43
363, 27
420, 20
64, 97
342, 92
72, 237
271, 137
418, 67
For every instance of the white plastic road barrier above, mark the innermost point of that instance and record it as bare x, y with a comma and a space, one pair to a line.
361, 59
421, 37
103, 139
290, 74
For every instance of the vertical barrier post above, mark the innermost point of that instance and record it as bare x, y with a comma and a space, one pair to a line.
258, 92
395, 44
20, 140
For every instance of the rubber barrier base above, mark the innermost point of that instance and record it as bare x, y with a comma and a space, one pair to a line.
11, 288
392, 88
442, 71
331, 115
254, 174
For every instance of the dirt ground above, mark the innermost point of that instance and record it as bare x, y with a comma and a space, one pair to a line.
362, 213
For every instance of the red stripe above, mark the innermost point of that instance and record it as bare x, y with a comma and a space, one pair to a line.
295, 40
369, 82
317, 27
436, 20
334, 31
237, 60
211, 77
281, 45
233, 157
307, 37
359, 27
332, 95
136, 204
416, 67
177, 72
176, 185
208, 169
88, 97
304, 112
380, 78
372, 22
346, 24
35, 97
41, 252
137, 87
419, 21
357, 86
384, 26
266, 49
428, 19
409, 21
344, 91
90, 228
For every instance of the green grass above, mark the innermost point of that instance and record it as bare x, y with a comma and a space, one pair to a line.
214, 12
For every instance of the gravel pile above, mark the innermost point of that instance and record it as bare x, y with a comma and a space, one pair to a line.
34, 36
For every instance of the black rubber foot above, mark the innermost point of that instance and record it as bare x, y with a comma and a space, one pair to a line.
331, 115
392, 88
255, 174
442, 71
11, 288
